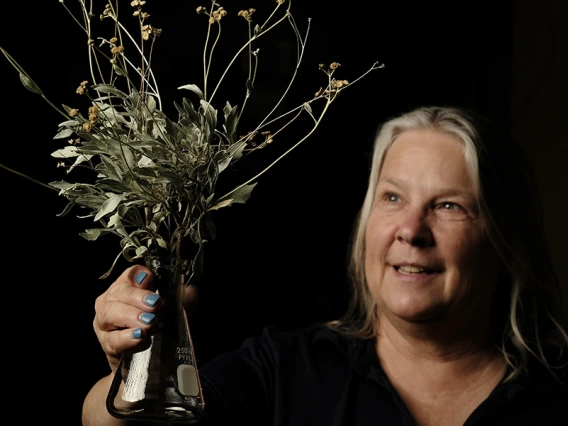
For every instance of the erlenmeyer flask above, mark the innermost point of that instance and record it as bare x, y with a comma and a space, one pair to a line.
161, 383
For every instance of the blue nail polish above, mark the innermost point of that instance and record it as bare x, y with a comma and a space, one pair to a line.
151, 299
137, 333
140, 277
147, 317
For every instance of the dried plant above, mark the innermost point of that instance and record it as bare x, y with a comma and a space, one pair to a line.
154, 179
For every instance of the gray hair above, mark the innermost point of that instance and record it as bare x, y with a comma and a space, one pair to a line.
527, 313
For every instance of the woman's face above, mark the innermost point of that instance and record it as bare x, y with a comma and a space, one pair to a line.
427, 258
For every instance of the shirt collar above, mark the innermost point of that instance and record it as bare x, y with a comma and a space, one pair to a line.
363, 356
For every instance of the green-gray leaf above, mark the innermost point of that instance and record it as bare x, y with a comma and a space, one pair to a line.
194, 88
65, 133
109, 205
241, 194
67, 152
29, 84
106, 88
93, 234
238, 195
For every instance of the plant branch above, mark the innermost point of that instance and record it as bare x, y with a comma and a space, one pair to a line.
28, 177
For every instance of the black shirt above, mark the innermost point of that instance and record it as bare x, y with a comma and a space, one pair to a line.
314, 376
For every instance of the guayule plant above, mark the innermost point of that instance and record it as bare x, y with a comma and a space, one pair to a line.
153, 178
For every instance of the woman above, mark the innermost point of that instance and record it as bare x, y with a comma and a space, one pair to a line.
455, 315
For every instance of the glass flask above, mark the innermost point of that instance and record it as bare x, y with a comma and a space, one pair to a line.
161, 383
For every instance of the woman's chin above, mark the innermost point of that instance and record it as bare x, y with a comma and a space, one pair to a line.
417, 312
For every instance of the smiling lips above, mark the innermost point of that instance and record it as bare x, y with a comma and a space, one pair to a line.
415, 269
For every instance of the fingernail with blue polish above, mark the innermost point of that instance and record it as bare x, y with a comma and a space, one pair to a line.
151, 299
147, 317
137, 333
140, 277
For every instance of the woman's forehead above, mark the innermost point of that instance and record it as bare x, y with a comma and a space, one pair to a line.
415, 147
428, 157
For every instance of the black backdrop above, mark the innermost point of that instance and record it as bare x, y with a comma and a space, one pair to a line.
279, 258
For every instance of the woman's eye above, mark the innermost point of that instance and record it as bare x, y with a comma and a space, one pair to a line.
392, 198
449, 206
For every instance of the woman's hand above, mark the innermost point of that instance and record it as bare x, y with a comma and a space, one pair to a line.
125, 313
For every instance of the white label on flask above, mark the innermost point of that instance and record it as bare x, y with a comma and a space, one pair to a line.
187, 380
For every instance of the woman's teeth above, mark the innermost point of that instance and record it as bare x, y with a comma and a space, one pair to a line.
412, 270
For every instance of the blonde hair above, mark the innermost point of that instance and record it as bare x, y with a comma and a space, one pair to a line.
527, 313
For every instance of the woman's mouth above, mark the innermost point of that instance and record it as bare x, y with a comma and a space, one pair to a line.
413, 270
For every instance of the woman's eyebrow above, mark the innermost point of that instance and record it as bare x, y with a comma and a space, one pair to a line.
393, 181
447, 191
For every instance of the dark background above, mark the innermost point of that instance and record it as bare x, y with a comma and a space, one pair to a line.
280, 257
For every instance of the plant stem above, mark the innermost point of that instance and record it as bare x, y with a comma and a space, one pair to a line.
28, 177
318, 121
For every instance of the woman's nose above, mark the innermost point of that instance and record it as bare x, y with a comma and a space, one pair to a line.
414, 229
